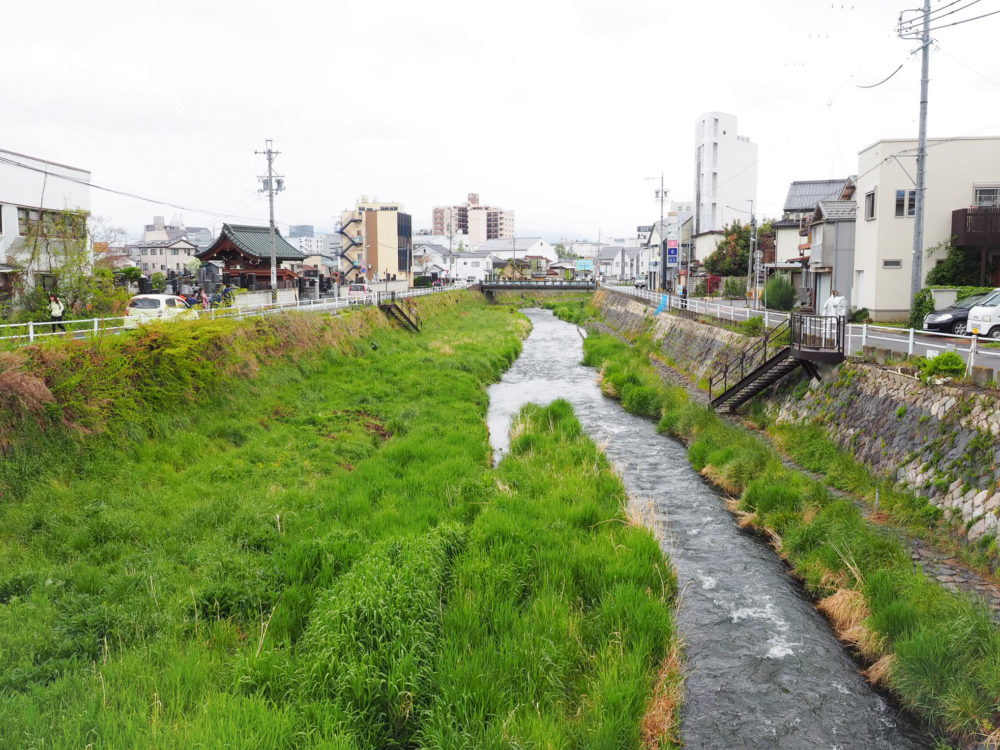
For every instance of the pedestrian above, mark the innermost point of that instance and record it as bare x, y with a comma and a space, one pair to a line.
203, 297
56, 310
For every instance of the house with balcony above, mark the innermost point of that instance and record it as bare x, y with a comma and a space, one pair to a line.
963, 184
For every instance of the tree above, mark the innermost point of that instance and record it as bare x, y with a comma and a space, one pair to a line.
735, 288
158, 281
960, 266
732, 252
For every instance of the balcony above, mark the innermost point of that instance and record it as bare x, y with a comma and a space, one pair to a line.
976, 226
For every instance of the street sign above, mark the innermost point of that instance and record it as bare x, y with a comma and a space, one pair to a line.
671, 257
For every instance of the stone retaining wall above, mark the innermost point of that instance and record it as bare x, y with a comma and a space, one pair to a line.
938, 440
941, 441
694, 348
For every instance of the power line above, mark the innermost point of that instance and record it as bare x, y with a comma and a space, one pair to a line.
125, 193
911, 25
966, 20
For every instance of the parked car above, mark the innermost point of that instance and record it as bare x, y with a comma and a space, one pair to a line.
144, 308
953, 319
360, 294
984, 317
639, 283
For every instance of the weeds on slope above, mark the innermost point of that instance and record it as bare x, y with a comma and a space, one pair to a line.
937, 650
318, 555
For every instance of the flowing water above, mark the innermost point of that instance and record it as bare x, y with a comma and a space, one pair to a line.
765, 670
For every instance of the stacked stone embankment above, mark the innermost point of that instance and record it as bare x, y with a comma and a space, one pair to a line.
940, 440
694, 348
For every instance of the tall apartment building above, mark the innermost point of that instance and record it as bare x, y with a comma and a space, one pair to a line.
478, 222
725, 173
376, 238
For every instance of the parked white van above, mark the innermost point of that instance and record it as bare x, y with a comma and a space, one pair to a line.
358, 294
984, 318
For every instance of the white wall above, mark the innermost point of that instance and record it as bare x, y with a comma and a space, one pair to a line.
728, 171
26, 188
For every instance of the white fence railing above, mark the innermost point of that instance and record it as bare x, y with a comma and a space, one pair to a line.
975, 350
34, 331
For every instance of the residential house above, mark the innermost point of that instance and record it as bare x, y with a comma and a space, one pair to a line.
163, 256
245, 252
831, 254
963, 175
513, 268
800, 206
159, 231
44, 208
518, 247
473, 267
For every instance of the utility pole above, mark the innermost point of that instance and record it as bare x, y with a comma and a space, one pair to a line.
270, 187
916, 279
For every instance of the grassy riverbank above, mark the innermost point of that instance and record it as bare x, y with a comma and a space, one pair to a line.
286, 533
938, 651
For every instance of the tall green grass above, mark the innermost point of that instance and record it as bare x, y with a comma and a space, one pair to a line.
283, 556
945, 649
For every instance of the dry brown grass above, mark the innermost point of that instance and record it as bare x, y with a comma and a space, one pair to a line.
845, 609
869, 644
992, 740
880, 672
661, 721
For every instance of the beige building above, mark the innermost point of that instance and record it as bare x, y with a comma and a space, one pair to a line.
961, 172
376, 238
478, 223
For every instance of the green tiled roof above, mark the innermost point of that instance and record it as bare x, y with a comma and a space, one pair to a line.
257, 241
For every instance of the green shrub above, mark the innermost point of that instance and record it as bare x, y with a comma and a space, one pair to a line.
779, 294
947, 364
752, 326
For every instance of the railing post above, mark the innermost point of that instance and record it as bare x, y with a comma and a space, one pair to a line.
31, 331
972, 355
864, 335
767, 320
909, 345
95, 326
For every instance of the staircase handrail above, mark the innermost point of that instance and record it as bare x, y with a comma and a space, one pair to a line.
751, 357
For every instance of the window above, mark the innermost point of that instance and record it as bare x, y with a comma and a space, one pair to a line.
906, 202
988, 196
145, 266
142, 251
175, 251
870, 205
892, 263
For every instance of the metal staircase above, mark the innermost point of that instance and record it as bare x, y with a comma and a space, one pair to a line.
402, 311
800, 341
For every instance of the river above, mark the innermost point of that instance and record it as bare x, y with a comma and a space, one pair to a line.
764, 668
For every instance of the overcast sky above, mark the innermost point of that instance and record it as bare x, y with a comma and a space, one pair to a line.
558, 109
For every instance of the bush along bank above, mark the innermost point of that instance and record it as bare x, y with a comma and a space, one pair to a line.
303, 547
937, 651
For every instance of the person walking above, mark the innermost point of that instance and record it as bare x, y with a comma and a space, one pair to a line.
203, 297
56, 311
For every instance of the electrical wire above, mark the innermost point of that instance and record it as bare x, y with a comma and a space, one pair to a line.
127, 194
966, 20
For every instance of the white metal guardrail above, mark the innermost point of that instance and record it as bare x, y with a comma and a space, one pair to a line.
973, 349
14, 334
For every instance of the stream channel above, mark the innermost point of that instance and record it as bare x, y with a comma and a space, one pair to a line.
764, 668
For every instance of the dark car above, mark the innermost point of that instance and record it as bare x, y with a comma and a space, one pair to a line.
952, 319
